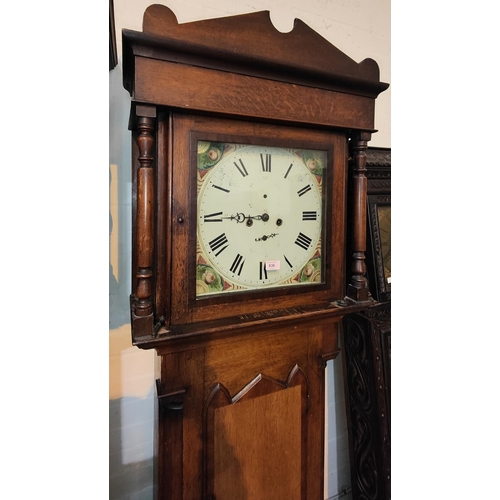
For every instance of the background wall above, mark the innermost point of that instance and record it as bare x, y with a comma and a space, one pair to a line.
361, 29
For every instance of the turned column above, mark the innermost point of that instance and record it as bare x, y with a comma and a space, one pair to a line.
358, 289
144, 225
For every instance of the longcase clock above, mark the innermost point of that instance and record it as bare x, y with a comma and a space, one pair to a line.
241, 136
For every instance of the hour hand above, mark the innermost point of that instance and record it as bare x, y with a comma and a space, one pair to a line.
241, 217
266, 237
264, 217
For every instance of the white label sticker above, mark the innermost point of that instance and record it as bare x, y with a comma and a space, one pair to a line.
389, 279
272, 265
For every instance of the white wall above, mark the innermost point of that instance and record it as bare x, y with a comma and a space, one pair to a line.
361, 29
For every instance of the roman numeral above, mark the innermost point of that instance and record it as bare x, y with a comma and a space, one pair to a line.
288, 171
218, 242
303, 241
266, 166
304, 190
262, 271
221, 188
309, 215
212, 217
237, 265
287, 261
241, 168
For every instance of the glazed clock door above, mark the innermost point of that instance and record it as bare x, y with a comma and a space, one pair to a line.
257, 218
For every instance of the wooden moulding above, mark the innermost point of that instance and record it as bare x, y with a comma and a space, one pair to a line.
225, 65
246, 96
199, 334
221, 332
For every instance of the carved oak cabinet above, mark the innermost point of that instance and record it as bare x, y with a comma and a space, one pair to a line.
241, 136
367, 347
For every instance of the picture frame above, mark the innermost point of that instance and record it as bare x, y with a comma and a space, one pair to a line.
113, 54
379, 223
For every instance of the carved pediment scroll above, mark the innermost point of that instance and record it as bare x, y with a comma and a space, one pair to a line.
250, 44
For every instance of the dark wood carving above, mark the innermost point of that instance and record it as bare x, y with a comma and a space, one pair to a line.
367, 347
378, 170
367, 340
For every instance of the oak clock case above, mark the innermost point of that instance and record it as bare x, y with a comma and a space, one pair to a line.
239, 281
258, 218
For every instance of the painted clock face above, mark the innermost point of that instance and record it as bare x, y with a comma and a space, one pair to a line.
259, 217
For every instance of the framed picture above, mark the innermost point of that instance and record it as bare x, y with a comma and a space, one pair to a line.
113, 56
378, 255
379, 227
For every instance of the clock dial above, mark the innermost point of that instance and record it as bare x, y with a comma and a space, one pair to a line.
259, 217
